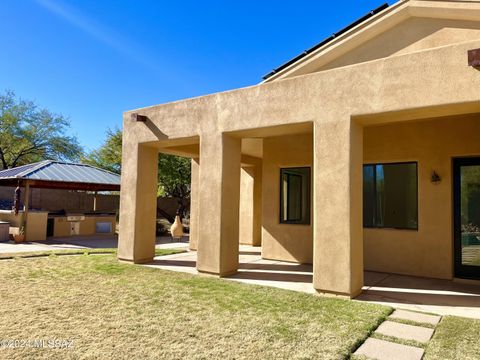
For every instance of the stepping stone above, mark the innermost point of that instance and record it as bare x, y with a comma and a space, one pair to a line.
386, 350
417, 317
406, 332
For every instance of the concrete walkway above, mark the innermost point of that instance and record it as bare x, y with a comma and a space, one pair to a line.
403, 292
388, 341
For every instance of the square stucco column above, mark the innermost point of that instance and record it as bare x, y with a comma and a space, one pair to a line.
219, 198
251, 205
194, 193
138, 205
337, 207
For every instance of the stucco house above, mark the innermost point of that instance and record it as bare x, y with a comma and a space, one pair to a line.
363, 153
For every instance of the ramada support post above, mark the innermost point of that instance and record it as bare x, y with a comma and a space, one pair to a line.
219, 199
26, 207
95, 201
138, 208
337, 208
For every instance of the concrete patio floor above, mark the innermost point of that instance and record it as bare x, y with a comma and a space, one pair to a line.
441, 297
436, 296
252, 269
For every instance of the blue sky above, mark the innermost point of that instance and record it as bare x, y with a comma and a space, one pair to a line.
91, 60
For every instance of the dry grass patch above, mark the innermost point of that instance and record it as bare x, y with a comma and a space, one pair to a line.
455, 338
114, 310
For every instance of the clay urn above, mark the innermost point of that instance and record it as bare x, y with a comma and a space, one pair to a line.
177, 228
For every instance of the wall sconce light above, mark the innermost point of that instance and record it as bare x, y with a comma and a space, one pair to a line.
435, 177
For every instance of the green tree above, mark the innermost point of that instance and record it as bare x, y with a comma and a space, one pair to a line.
29, 134
109, 155
174, 175
173, 171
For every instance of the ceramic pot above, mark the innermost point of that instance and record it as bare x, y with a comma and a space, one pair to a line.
19, 238
177, 228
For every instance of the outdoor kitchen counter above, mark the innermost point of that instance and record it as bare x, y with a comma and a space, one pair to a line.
61, 225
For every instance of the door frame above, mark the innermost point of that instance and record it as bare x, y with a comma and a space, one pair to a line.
460, 270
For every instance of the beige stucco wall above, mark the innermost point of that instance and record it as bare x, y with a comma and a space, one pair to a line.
429, 251
289, 242
411, 35
61, 227
36, 229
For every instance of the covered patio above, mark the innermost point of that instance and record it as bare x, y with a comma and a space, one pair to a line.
441, 297
38, 223
350, 166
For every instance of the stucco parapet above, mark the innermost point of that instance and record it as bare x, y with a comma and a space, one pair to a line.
411, 81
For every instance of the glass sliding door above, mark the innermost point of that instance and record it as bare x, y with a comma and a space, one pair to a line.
467, 217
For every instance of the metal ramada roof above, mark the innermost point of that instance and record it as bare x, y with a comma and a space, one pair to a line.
56, 171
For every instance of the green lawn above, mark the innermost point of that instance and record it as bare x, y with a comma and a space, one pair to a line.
455, 338
115, 310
